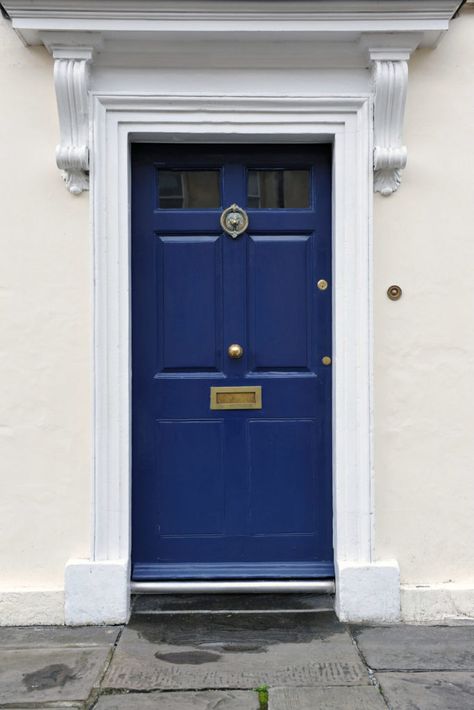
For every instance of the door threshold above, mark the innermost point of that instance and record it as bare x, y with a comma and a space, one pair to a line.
313, 586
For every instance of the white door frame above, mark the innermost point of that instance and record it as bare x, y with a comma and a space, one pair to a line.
98, 590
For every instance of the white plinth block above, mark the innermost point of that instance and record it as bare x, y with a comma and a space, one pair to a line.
368, 592
96, 592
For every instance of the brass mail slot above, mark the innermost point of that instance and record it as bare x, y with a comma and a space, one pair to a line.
236, 397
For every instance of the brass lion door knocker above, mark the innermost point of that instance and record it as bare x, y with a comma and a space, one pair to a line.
234, 221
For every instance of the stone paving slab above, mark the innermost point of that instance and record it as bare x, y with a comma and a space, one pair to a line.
200, 700
417, 647
234, 651
57, 636
342, 698
47, 675
428, 691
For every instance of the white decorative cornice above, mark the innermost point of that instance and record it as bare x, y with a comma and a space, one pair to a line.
71, 79
328, 19
390, 82
151, 9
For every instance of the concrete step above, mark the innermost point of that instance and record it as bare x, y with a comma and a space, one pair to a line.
231, 603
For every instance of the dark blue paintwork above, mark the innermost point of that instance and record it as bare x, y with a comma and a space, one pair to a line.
231, 494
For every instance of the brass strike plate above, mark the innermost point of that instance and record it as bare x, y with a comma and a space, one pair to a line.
236, 397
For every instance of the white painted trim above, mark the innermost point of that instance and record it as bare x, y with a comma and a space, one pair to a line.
96, 592
71, 81
390, 79
122, 19
146, 10
344, 120
346, 34
368, 592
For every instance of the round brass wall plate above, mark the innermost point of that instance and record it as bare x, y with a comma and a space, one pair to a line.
322, 284
234, 221
394, 292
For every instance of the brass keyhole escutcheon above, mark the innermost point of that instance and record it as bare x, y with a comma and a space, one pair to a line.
235, 351
394, 292
326, 360
322, 284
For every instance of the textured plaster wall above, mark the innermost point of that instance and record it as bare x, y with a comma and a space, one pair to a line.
45, 400
424, 344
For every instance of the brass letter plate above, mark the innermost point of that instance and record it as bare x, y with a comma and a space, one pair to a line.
236, 397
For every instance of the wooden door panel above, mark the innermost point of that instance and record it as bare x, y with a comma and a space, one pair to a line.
189, 303
279, 279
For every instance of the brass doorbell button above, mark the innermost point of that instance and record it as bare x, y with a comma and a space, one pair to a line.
394, 292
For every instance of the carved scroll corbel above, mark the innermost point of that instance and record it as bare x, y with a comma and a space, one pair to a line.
71, 79
390, 82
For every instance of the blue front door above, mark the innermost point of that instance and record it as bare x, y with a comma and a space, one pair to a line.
231, 492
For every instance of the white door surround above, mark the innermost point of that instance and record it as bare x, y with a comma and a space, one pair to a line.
345, 121
102, 112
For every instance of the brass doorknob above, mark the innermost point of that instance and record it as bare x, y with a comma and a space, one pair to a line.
235, 351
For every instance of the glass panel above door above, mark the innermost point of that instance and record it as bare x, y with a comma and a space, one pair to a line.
189, 189
278, 189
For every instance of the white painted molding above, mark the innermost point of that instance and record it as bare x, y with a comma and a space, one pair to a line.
96, 592
368, 593
390, 81
345, 121
131, 32
146, 10
208, 19
71, 80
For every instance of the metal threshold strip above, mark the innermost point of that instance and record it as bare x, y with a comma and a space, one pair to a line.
310, 586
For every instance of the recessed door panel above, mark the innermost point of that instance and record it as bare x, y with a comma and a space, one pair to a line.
189, 286
283, 471
189, 478
279, 275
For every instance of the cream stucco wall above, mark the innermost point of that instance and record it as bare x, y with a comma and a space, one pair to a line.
424, 344
45, 394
